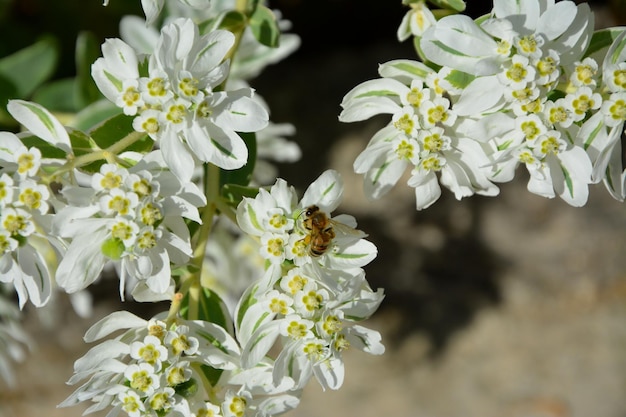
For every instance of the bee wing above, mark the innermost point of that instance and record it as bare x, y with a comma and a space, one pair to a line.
344, 225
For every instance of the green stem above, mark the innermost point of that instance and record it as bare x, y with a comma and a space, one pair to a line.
201, 238
108, 154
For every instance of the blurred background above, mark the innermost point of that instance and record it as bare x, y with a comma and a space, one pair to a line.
513, 306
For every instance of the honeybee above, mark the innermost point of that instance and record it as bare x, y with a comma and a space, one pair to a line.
321, 230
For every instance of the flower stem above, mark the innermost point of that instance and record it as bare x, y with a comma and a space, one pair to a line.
211, 185
107, 154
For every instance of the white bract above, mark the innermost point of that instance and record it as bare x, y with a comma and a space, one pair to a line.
27, 245
249, 60
423, 135
160, 366
310, 290
131, 216
175, 104
515, 87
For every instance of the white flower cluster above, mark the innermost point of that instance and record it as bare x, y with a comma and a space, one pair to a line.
314, 290
422, 134
175, 102
172, 368
132, 216
24, 221
118, 191
522, 85
249, 61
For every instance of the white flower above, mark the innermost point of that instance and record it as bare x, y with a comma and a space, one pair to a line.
415, 21
150, 351
142, 378
131, 403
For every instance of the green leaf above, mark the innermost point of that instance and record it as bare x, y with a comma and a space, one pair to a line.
459, 79
243, 175
28, 68
106, 134
8, 90
212, 375
234, 193
57, 96
94, 114
116, 128
264, 26
601, 40
187, 389
87, 51
47, 150
81, 142
252, 6
456, 5
211, 308
233, 21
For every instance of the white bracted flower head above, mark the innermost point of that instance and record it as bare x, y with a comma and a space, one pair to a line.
142, 378
614, 77
558, 113
181, 342
150, 351
614, 109
582, 101
156, 364
176, 104
131, 216
585, 73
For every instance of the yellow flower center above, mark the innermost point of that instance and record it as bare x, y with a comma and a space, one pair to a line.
119, 204
122, 231
618, 110
149, 353
528, 45
296, 283
25, 162
156, 87
14, 224
141, 380
405, 150
188, 87
238, 406
405, 124
150, 214
550, 145
431, 163
110, 181
312, 301
433, 143
297, 330
176, 113
530, 129
619, 78
517, 72
131, 96
30, 198
278, 306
